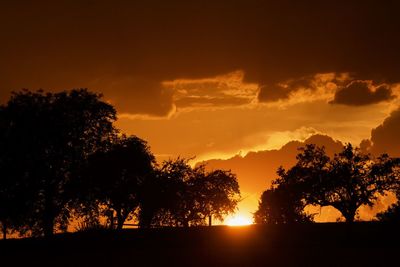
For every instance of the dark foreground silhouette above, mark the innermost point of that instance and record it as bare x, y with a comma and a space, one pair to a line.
339, 244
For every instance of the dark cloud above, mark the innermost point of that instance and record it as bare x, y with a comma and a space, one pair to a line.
273, 93
65, 44
360, 93
385, 137
225, 101
319, 83
282, 90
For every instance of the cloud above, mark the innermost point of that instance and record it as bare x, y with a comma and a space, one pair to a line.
156, 102
319, 86
360, 93
260, 141
273, 93
335, 88
68, 44
256, 170
385, 137
221, 91
278, 139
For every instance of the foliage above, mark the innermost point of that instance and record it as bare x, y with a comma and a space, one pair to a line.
61, 158
282, 204
187, 196
13, 202
218, 193
347, 181
89, 226
114, 177
392, 214
45, 140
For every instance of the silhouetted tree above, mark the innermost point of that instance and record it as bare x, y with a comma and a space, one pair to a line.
346, 182
282, 203
48, 138
217, 192
115, 177
187, 196
392, 214
178, 199
13, 202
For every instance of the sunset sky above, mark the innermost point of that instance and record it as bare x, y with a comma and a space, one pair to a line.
218, 79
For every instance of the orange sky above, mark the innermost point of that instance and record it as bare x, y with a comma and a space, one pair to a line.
218, 79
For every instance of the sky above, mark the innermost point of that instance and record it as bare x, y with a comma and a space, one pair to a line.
218, 79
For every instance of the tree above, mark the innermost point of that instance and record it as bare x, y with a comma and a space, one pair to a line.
13, 203
392, 214
346, 182
186, 196
47, 139
179, 205
218, 193
161, 198
114, 178
353, 179
282, 203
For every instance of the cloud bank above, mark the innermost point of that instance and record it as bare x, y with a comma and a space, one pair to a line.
359, 93
128, 49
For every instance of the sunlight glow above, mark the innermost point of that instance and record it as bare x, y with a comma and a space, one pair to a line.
238, 220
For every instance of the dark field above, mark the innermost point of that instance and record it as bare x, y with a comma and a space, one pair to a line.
361, 244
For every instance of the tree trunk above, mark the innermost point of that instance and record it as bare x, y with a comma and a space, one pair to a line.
120, 219
4, 231
48, 225
349, 218
349, 215
112, 219
48, 213
145, 217
210, 220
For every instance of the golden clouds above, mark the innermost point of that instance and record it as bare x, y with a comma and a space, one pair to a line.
320, 86
275, 140
231, 90
222, 91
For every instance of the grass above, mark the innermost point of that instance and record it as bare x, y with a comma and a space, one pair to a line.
332, 244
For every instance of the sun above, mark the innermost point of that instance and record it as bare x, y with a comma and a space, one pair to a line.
238, 220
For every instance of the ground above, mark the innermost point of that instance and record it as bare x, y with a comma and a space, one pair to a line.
335, 244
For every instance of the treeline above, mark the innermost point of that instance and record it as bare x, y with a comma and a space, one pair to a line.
63, 160
347, 181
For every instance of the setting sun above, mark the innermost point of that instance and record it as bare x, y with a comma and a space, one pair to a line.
238, 220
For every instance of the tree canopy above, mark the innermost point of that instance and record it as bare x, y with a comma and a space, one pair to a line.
347, 181
61, 158
114, 177
188, 196
46, 137
282, 203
